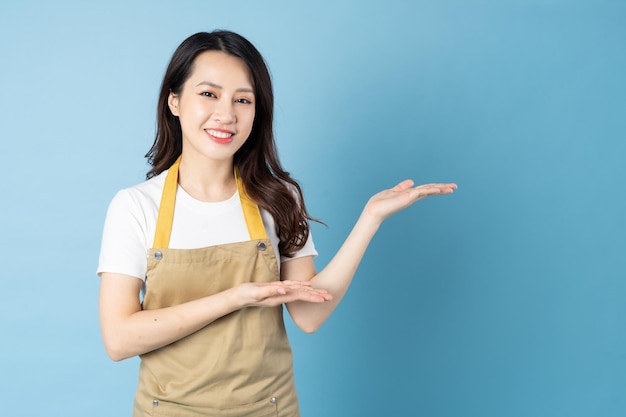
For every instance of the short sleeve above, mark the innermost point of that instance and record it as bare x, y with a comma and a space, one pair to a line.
125, 244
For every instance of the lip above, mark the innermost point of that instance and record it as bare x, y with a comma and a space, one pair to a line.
221, 136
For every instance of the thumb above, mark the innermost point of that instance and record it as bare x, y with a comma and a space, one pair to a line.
406, 184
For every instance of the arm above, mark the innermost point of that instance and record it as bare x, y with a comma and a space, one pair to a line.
127, 330
337, 275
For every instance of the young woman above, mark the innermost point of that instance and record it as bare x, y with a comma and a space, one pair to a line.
217, 240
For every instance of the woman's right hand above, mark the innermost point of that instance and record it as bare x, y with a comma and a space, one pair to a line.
270, 294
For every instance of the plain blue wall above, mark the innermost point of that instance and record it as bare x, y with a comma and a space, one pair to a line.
505, 299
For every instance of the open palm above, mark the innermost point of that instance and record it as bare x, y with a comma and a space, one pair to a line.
390, 201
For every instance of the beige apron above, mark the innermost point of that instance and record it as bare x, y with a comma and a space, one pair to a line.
238, 366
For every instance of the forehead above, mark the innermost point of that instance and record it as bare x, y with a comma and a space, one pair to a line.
220, 68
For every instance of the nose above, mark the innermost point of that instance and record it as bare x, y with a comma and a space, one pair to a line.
224, 111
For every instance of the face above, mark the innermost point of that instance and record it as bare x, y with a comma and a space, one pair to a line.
215, 107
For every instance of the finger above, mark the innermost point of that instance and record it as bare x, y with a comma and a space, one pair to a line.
307, 290
297, 283
299, 288
273, 290
311, 297
297, 296
434, 189
404, 185
439, 185
420, 192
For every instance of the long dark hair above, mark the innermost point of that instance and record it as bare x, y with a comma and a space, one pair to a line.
265, 180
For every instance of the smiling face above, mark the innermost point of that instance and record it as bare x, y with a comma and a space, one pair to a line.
216, 107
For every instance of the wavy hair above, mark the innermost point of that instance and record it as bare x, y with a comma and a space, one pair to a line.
264, 178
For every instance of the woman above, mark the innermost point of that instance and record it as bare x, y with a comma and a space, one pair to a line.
217, 240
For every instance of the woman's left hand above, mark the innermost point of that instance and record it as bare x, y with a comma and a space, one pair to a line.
388, 202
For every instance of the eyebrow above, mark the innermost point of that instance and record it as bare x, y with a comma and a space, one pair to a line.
219, 87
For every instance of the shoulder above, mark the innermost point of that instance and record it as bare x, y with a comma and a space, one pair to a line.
129, 228
145, 195
148, 190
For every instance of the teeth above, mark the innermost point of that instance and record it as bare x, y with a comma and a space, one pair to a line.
218, 134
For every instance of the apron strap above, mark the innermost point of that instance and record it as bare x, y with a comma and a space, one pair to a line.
166, 208
251, 211
165, 218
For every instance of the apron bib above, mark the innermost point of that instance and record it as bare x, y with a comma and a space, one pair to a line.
238, 366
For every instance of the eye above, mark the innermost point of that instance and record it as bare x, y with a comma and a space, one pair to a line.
243, 101
207, 94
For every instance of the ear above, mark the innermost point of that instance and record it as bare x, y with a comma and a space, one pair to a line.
172, 102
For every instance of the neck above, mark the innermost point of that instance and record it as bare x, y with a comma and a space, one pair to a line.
205, 179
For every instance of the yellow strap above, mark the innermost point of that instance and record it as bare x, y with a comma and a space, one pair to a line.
166, 208
251, 212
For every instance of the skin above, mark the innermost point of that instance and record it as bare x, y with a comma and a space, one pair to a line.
217, 101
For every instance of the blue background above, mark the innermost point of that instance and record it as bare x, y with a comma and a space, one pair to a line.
505, 299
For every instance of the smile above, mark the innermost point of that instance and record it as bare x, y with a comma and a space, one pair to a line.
220, 136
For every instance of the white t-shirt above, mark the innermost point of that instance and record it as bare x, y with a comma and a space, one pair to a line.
131, 221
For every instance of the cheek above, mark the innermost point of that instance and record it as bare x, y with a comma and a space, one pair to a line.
248, 119
194, 108
251, 120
